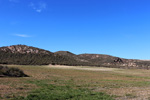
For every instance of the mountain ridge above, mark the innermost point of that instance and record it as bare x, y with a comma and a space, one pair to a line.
23, 54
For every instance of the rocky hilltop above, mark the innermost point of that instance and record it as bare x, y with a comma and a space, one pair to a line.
23, 49
66, 53
28, 55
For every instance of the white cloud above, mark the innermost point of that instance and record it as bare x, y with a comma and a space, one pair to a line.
38, 7
22, 35
38, 10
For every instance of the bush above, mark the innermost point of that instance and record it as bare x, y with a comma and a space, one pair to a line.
11, 72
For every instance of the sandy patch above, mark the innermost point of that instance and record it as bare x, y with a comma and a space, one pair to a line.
82, 68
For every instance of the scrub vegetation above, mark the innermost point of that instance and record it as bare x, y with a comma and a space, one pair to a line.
11, 72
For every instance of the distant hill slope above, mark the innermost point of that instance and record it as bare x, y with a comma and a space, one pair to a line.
66, 53
28, 55
106, 60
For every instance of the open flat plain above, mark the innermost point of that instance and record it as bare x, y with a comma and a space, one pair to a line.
119, 84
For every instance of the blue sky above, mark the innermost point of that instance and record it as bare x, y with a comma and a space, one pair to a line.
115, 27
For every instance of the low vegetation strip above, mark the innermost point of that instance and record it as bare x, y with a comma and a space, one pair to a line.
67, 92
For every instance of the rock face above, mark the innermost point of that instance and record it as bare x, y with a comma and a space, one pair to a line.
118, 60
24, 49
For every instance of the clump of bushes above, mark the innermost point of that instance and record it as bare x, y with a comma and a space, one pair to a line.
11, 72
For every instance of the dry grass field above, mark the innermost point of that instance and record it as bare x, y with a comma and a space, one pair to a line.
120, 84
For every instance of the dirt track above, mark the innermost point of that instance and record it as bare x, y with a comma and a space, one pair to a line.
87, 68
83, 68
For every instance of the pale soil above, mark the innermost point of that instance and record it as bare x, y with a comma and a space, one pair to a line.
83, 68
132, 93
115, 70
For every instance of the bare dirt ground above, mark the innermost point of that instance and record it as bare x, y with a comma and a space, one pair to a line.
83, 68
87, 68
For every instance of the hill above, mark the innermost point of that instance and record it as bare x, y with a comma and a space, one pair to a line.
23, 49
28, 55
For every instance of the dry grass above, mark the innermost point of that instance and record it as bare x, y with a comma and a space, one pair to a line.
126, 84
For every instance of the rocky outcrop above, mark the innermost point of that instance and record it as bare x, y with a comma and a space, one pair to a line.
24, 49
118, 60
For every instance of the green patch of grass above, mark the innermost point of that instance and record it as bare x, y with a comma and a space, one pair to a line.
124, 83
66, 92
142, 83
130, 96
137, 77
1, 97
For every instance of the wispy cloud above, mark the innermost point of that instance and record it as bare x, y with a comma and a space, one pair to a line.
14, 1
38, 7
22, 35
